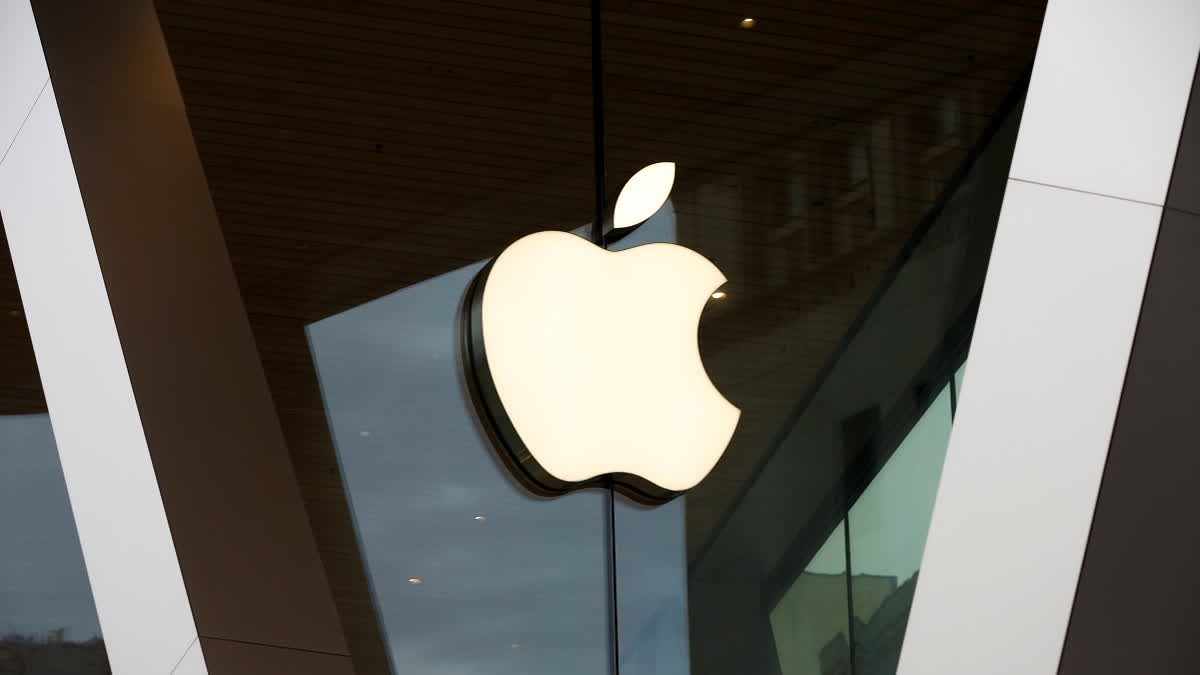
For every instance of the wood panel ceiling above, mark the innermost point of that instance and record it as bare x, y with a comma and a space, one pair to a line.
20, 388
354, 148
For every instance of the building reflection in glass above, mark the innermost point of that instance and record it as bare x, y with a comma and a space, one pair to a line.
470, 572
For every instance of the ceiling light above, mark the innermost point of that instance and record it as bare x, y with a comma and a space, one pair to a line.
414, 581
364, 434
481, 518
749, 22
718, 295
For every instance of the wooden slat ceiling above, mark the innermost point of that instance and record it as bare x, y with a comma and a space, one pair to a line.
20, 388
354, 148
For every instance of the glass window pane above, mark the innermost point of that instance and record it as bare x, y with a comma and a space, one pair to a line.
469, 572
889, 520
654, 609
817, 150
888, 526
843, 166
810, 623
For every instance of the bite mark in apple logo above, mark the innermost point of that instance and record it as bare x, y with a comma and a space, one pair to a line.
584, 363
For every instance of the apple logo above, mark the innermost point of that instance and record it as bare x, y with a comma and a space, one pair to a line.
584, 363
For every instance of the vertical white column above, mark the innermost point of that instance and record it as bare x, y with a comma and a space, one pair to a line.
22, 69
1059, 310
131, 560
197, 543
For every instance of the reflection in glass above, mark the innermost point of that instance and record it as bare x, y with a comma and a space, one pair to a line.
888, 526
470, 574
891, 516
840, 164
651, 580
844, 167
809, 623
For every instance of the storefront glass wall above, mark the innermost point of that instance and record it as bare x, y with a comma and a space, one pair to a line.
842, 164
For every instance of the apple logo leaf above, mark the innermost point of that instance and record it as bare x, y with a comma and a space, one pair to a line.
644, 194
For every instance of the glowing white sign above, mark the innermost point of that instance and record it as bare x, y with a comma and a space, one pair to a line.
586, 361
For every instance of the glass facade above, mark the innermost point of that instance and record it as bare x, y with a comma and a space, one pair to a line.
340, 488
889, 397
843, 165
851, 202
467, 571
48, 620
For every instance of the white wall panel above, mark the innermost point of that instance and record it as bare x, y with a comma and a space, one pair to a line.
1107, 96
131, 561
1031, 435
22, 68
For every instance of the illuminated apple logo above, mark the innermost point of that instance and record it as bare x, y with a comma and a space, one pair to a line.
584, 363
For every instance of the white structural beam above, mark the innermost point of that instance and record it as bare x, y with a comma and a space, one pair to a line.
1056, 323
197, 544
22, 68
140, 597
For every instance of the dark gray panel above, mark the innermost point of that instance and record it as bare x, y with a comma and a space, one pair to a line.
1135, 606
